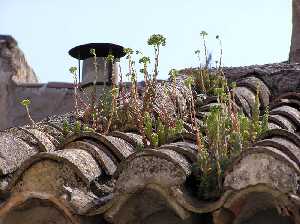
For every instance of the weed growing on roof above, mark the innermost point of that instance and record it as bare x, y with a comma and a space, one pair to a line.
76, 128
73, 71
26, 103
114, 93
221, 133
225, 129
154, 123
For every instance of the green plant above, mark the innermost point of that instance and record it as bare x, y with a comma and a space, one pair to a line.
154, 129
75, 80
159, 133
26, 103
76, 128
66, 128
220, 136
225, 130
93, 97
173, 75
114, 94
221, 52
156, 40
203, 34
226, 133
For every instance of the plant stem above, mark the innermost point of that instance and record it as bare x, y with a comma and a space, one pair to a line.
29, 117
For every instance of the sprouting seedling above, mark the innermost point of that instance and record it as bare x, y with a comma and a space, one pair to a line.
189, 82
26, 103
145, 61
203, 34
73, 71
94, 90
197, 52
93, 52
131, 71
173, 75
128, 52
110, 57
114, 92
66, 128
221, 50
156, 40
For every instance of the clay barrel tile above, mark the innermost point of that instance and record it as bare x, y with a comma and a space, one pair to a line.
51, 171
179, 158
284, 145
27, 137
104, 161
121, 148
186, 136
187, 200
263, 165
295, 103
248, 95
118, 147
134, 139
164, 101
282, 122
207, 107
252, 83
13, 151
44, 139
151, 166
82, 202
287, 96
31, 207
185, 144
281, 133
54, 133
272, 125
82, 160
187, 152
103, 148
243, 104
291, 113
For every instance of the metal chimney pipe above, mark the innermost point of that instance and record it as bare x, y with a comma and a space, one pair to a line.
101, 73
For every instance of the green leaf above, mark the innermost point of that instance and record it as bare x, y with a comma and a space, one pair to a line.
73, 70
93, 52
25, 102
144, 60
154, 140
203, 33
157, 40
128, 51
110, 57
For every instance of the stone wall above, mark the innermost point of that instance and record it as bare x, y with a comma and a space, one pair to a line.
18, 81
295, 41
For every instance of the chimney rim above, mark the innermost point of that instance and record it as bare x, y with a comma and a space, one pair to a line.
82, 52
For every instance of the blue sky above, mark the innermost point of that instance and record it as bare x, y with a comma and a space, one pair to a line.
252, 32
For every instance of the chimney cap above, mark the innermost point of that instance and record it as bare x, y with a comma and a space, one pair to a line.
82, 52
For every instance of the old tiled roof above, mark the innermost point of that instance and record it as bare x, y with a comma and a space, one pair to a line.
94, 178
